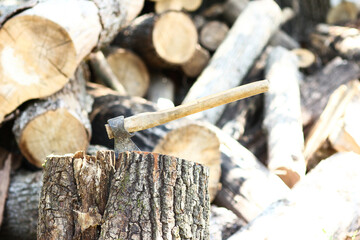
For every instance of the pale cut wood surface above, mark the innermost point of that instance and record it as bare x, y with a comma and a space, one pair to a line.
198, 144
283, 117
130, 70
324, 205
148, 120
237, 53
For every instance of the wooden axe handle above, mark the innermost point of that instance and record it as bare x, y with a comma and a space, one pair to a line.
151, 119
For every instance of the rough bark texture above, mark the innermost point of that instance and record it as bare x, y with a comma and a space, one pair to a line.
5, 168
140, 195
308, 212
197, 62
283, 117
236, 54
145, 36
316, 89
21, 209
108, 104
212, 34
66, 112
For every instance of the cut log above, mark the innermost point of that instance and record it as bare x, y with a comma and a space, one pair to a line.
247, 186
197, 63
9, 8
5, 168
177, 5
58, 124
161, 91
342, 13
212, 34
22, 206
316, 89
283, 117
236, 54
130, 70
223, 223
305, 57
345, 136
233, 8
146, 37
109, 104
139, 195
198, 144
310, 205
104, 74
328, 120
70, 30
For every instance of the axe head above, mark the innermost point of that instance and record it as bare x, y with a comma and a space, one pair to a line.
122, 138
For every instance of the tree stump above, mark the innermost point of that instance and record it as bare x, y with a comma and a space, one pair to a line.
140, 195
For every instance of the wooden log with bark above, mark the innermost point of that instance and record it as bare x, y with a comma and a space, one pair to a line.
168, 5
5, 168
139, 195
146, 37
212, 34
109, 104
316, 89
22, 206
283, 117
198, 144
44, 44
197, 63
58, 124
308, 212
236, 54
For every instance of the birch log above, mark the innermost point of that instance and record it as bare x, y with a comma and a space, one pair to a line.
283, 117
308, 212
236, 54
161, 91
137, 196
58, 124
40, 48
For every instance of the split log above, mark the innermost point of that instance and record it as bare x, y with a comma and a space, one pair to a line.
328, 120
139, 195
236, 54
223, 223
146, 37
161, 91
109, 104
22, 206
56, 125
56, 54
283, 117
5, 168
309, 212
316, 89
198, 144
104, 74
197, 63
130, 70
212, 34
247, 186
345, 136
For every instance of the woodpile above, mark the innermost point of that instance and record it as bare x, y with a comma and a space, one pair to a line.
280, 165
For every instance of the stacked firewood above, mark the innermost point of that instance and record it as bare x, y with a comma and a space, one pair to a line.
282, 165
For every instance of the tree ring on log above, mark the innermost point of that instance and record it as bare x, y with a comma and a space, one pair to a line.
39, 64
176, 45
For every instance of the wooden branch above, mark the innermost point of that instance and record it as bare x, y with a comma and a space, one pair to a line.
236, 54
310, 205
283, 117
145, 37
104, 73
128, 199
54, 56
130, 70
198, 144
58, 124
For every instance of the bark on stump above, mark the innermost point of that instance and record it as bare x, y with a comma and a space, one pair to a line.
69, 31
236, 54
139, 195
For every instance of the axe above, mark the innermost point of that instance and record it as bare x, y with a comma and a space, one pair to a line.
122, 129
